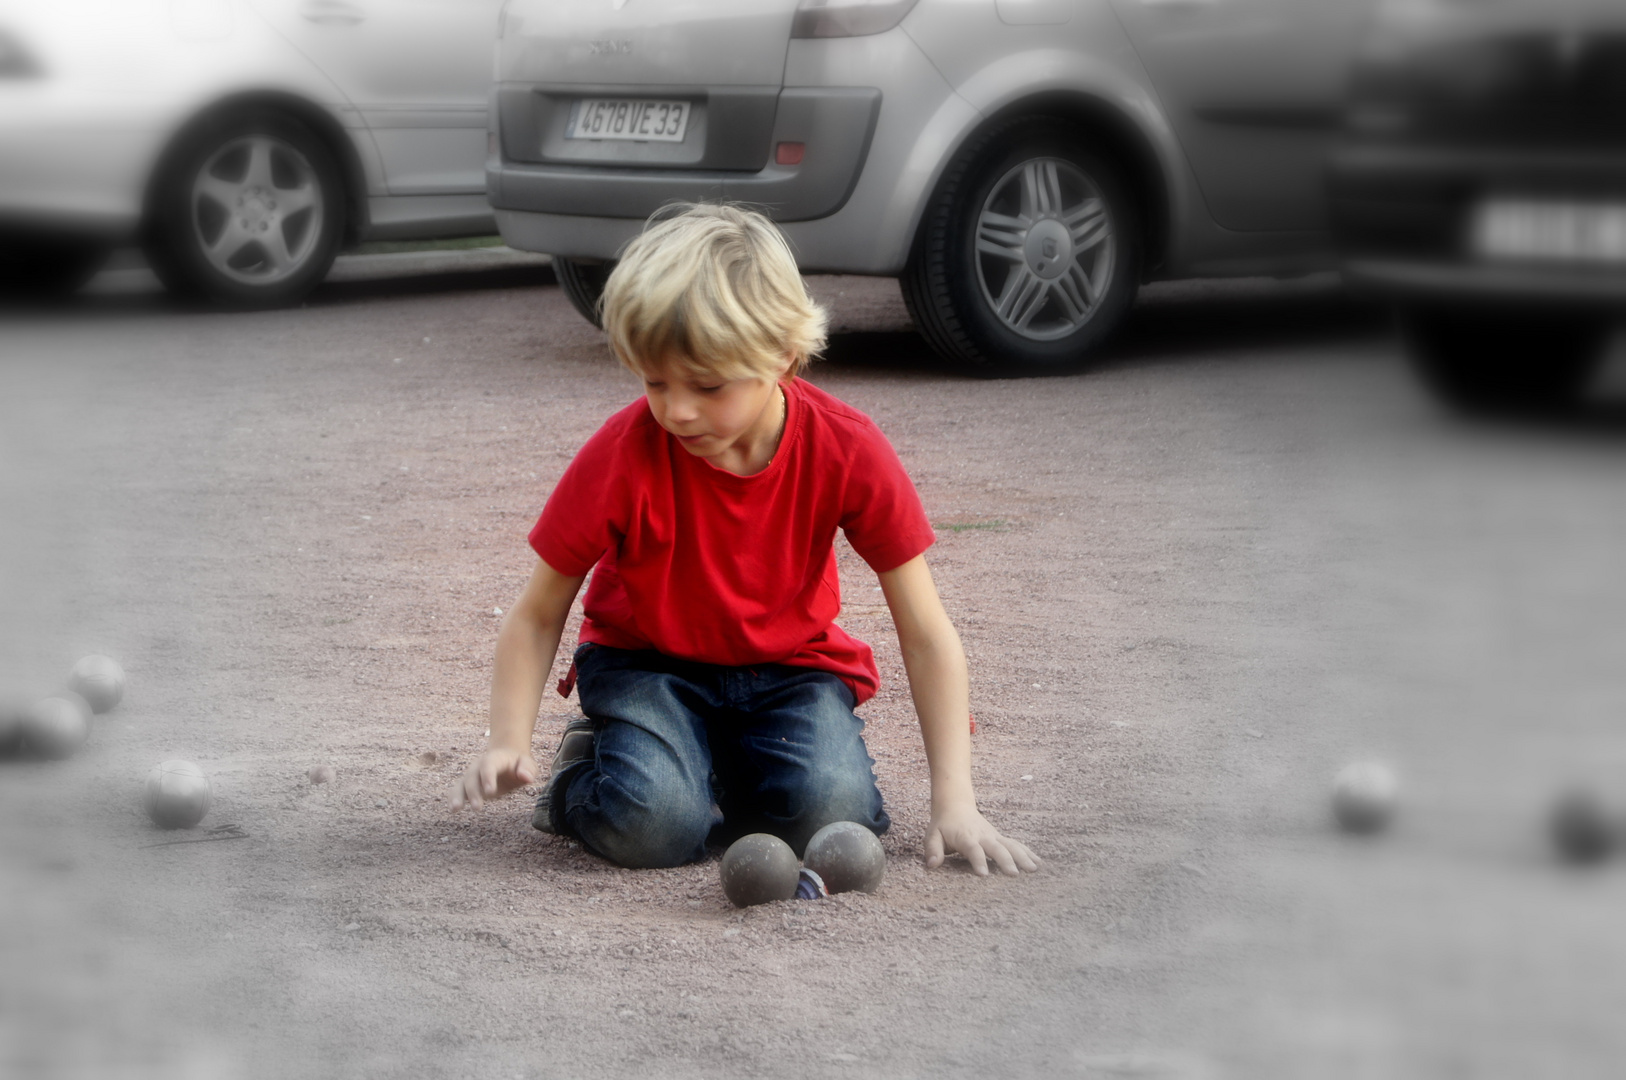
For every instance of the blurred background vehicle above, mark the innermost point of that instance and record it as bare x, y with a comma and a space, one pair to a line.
242, 143
1021, 165
1481, 186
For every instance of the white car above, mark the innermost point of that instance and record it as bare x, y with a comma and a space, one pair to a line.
1020, 165
242, 142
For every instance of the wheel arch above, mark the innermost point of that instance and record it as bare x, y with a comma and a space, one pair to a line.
321, 122
1119, 136
1121, 139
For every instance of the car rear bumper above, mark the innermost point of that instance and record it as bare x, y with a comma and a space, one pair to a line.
571, 236
81, 179
834, 126
876, 172
1403, 218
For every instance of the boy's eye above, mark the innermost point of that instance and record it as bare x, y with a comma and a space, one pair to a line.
708, 389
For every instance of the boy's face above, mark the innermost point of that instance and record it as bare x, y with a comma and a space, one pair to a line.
732, 423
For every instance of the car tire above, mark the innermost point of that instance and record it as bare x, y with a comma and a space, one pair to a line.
40, 269
248, 212
1028, 255
1483, 361
583, 283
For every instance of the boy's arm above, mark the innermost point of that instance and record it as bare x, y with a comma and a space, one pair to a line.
937, 680
525, 646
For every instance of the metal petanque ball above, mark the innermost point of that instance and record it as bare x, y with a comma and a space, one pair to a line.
1364, 796
99, 680
1580, 827
847, 856
759, 868
57, 726
13, 714
177, 795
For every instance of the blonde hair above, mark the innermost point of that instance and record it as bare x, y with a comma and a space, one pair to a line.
714, 289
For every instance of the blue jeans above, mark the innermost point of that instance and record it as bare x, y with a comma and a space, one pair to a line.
687, 751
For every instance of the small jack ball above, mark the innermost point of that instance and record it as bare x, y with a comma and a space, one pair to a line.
177, 795
847, 856
1580, 828
1364, 796
759, 868
99, 680
57, 726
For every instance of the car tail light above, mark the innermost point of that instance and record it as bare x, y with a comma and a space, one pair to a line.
847, 18
789, 153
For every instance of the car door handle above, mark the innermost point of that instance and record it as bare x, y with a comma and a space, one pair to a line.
332, 13
1179, 5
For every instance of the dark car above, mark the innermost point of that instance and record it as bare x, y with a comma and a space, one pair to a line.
1481, 186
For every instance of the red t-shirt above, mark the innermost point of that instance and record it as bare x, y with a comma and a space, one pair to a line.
704, 565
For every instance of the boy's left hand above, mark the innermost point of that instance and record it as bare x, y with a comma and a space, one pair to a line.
965, 830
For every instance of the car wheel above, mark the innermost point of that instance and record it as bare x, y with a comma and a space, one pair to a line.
39, 269
1028, 255
1485, 361
249, 212
583, 283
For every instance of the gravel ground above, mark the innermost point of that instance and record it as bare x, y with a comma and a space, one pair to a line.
1192, 583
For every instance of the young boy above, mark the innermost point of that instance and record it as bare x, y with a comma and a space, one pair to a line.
717, 690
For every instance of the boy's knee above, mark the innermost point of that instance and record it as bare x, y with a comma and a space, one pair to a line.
650, 832
832, 794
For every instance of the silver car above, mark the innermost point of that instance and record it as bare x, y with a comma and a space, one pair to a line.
243, 142
1020, 165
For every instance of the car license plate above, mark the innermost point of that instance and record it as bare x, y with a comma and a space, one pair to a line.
629, 118
1542, 229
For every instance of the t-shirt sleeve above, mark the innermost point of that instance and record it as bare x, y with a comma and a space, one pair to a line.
579, 522
881, 513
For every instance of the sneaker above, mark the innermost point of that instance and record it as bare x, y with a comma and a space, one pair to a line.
575, 746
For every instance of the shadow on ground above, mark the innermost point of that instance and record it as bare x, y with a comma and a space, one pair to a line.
140, 294
333, 293
1170, 323
1177, 322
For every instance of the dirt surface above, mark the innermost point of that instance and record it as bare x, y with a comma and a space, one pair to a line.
1192, 583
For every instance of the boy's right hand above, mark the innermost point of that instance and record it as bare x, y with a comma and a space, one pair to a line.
492, 775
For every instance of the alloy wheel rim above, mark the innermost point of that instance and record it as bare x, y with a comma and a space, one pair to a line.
257, 210
1045, 249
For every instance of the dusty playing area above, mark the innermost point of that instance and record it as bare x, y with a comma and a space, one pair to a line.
1192, 584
